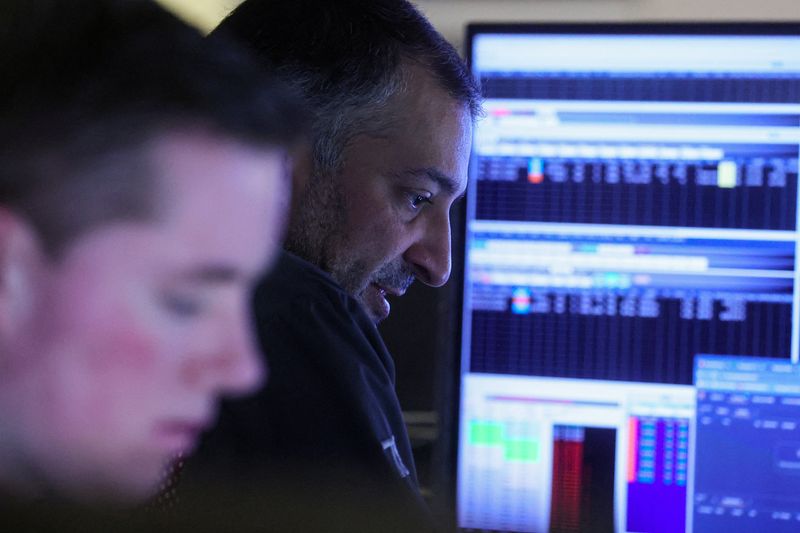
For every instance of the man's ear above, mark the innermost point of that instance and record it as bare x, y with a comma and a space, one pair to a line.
21, 260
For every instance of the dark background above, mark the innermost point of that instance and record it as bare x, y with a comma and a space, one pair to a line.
422, 333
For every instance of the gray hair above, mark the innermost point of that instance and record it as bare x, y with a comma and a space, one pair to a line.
340, 117
346, 59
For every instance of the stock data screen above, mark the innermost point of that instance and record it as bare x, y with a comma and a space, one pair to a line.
747, 473
633, 204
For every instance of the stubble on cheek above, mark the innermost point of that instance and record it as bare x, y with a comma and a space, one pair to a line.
351, 273
316, 231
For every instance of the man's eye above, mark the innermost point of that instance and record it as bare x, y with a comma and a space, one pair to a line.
418, 200
182, 306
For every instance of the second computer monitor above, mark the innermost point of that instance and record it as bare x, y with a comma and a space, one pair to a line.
632, 224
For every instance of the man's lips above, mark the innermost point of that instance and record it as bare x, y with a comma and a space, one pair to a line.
376, 302
180, 435
389, 290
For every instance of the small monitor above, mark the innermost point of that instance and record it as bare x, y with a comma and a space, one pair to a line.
632, 226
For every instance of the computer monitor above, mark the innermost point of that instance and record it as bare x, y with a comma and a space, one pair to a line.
631, 305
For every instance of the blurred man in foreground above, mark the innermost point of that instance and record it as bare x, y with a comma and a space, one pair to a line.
143, 183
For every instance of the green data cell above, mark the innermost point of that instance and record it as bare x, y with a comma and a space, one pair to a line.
523, 450
486, 433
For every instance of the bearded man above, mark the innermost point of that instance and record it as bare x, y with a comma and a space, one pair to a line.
392, 108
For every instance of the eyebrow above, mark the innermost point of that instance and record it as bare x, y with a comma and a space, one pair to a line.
445, 182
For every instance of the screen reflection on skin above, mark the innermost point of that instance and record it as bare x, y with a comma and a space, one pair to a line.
389, 221
114, 354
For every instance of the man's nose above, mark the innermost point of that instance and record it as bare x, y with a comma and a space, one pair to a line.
248, 370
236, 365
429, 254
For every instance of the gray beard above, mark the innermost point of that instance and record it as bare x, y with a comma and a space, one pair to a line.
315, 234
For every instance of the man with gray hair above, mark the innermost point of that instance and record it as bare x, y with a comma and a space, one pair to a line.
392, 109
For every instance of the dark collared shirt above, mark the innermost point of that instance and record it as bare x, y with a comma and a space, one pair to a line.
329, 412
